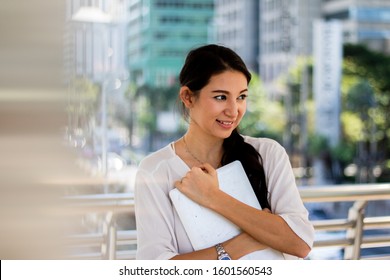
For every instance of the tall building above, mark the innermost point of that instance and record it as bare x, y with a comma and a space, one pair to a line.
286, 32
96, 38
236, 25
160, 33
364, 21
97, 76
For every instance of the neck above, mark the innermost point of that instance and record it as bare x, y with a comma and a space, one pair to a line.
203, 150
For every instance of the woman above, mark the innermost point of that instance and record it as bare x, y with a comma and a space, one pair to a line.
214, 87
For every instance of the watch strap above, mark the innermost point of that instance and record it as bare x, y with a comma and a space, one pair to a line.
222, 254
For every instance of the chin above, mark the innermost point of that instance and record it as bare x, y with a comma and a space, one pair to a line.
226, 134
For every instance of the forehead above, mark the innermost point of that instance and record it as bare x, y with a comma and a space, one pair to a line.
233, 80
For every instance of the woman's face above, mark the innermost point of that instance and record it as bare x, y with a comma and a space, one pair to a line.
220, 105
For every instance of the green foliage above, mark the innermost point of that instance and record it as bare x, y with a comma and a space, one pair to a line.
84, 101
353, 126
365, 105
344, 152
263, 117
88, 93
374, 66
147, 116
360, 98
317, 145
159, 98
367, 69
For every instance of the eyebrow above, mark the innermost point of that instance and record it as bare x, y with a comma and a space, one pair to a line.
226, 91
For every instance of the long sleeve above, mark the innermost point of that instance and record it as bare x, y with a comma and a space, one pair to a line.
160, 233
154, 218
286, 199
284, 195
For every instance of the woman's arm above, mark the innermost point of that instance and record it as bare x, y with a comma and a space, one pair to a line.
236, 247
201, 185
265, 227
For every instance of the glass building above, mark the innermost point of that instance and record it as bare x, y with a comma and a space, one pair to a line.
364, 21
236, 25
286, 32
160, 33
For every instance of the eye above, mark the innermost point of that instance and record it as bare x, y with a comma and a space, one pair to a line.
220, 97
242, 96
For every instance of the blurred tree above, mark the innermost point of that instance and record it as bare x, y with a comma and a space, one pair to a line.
85, 102
366, 107
361, 101
264, 117
299, 106
148, 102
365, 113
127, 113
82, 109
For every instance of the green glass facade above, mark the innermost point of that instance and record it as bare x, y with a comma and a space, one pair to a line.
160, 34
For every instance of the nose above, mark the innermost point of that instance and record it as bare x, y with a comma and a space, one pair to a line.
232, 109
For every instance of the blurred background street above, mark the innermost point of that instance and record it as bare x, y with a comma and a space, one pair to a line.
89, 87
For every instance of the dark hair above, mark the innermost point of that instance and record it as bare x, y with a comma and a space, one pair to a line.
200, 65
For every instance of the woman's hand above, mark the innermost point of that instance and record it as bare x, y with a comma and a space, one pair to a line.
200, 184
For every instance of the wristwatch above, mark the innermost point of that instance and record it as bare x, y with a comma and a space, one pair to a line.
222, 255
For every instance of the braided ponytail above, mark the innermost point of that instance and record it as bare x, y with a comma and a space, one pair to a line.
237, 149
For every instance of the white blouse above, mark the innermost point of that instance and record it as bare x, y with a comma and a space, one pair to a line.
161, 234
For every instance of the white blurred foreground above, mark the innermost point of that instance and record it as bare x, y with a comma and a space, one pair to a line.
32, 114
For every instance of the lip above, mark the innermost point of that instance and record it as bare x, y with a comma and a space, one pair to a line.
225, 124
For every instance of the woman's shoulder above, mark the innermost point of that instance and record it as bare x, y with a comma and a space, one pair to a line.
152, 161
262, 143
268, 148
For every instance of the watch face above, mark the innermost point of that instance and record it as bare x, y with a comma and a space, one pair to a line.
224, 257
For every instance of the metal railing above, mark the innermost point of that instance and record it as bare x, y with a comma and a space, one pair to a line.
113, 243
356, 223
108, 242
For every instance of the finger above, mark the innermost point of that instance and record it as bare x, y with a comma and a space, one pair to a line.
267, 210
179, 183
196, 171
208, 168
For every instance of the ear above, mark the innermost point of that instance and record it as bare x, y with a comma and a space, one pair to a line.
186, 96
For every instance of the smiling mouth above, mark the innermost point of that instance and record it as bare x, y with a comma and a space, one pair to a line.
225, 123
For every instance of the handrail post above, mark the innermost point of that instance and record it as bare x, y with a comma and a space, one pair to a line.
109, 233
112, 240
356, 215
